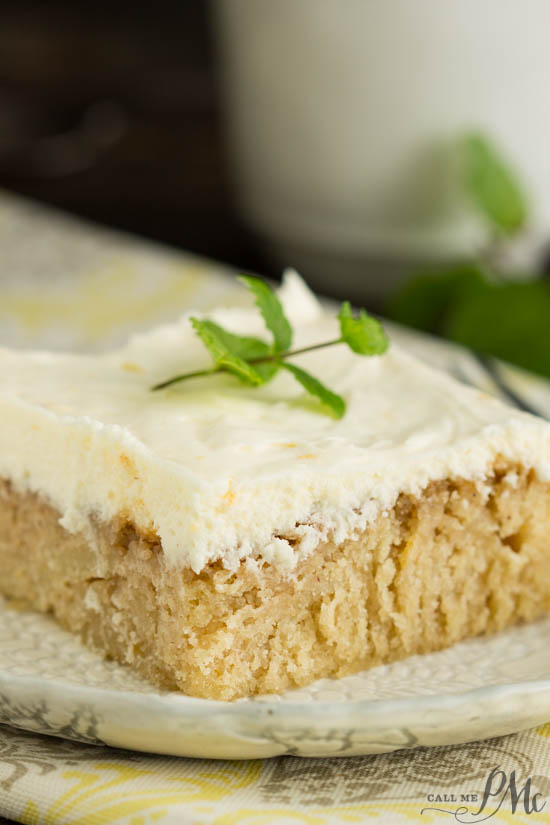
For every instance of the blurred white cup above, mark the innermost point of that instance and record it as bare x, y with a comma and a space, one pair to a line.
342, 118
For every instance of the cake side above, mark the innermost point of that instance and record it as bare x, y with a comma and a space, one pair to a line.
462, 558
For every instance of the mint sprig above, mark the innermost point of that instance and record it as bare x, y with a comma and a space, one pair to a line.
255, 362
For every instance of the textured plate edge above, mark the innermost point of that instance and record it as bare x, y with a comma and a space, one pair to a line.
169, 724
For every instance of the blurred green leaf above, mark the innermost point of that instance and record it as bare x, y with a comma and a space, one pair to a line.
492, 185
424, 301
510, 321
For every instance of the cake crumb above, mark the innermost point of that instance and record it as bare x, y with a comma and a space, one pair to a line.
129, 366
229, 496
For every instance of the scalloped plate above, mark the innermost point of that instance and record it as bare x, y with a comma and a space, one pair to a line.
487, 687
51, 684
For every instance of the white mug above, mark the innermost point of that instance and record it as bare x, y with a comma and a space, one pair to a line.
342, 117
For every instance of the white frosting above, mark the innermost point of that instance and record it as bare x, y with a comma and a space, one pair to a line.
221, 471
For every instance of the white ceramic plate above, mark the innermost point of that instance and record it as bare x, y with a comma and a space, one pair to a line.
51, 684
485, 687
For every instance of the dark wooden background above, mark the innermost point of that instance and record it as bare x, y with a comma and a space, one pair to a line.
110, 110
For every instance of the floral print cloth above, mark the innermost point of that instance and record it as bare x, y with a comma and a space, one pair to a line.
49, 781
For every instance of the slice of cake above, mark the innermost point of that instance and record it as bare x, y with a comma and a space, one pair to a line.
227, 541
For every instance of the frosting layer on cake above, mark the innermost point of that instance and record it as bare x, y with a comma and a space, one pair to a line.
224, 472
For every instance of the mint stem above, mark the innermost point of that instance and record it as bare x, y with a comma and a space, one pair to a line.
276, 356
184, 376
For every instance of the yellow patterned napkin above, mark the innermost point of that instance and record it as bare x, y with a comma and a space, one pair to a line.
46, 781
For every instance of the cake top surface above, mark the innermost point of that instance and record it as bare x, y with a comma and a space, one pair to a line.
222, 471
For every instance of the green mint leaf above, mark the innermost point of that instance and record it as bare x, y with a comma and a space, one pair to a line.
510, 321
267, 370
243, 346
226, 349
492, 185
335, 403
272, 312
364, 334
425, 301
